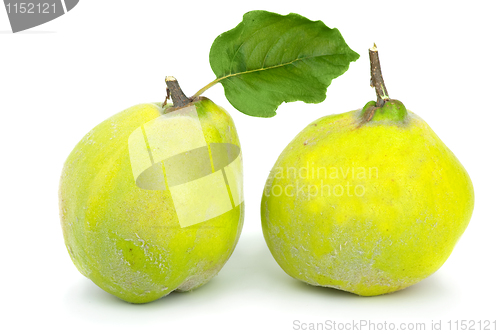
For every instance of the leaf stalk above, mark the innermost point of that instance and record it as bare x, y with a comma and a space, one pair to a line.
201, 91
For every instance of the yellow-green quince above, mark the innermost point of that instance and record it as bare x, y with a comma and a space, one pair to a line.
369, 201
128, 239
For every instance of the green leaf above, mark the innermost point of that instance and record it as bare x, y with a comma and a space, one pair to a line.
269, 59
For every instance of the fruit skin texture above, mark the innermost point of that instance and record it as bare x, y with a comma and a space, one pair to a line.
398, 226
127, 239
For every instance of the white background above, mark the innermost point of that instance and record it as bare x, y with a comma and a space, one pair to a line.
59, 80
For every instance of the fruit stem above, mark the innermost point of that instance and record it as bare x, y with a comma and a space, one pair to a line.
377, 80
175, 92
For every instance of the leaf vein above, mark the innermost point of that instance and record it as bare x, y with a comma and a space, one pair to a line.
245, 41
292, 62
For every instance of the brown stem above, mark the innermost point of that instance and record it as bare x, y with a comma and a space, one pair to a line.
175, 92
377, 80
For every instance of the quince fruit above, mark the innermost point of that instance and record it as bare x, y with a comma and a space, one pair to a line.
151, 199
